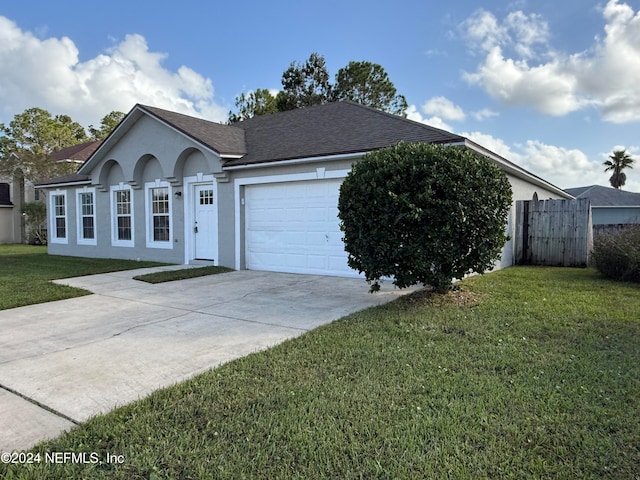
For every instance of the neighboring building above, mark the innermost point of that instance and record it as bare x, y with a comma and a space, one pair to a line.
77, 154
610, 206
7, 211
260, 194
21, 191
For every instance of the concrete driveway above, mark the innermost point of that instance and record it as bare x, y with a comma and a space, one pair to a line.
63, 362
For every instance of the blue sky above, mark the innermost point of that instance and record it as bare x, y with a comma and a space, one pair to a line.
551, 85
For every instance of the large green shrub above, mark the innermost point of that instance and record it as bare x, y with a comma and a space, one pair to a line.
617, 256
422, 213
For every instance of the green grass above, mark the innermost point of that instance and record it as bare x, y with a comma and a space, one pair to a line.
26, 272
182, 274
524, 373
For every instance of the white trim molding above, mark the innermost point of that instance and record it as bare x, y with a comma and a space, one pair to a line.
276, 163
149, 214
115, 241
80, 215
53, 230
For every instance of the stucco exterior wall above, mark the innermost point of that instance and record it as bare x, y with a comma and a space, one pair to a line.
11, 230
615, 215
153, 154
150, 152
7, 233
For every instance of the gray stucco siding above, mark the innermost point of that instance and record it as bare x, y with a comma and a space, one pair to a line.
615, 215
148, 152
104, 247
177, 155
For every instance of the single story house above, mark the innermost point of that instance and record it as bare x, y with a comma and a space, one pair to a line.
610, 206
259, 194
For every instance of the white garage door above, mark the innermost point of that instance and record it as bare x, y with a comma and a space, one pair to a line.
294, 227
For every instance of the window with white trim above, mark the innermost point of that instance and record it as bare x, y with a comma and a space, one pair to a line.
86, 217
58, 204
122, 232
158, 215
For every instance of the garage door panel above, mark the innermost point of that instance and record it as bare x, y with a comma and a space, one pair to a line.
293, 227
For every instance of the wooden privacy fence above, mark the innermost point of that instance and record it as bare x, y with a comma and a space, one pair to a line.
553, 232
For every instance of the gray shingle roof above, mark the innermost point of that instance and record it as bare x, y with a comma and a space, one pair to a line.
224, 139
330, 129
605, 196
71, 178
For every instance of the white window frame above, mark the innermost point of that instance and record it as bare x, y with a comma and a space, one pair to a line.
53, 231
115, 241
80, 216
148, 191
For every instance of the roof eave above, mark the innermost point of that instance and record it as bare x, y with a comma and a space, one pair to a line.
291, 161
514, 169
615, 206
62, 184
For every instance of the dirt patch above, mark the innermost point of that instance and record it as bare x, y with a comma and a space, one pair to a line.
459, 297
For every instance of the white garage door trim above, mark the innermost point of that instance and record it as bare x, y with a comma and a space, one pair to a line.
333, 265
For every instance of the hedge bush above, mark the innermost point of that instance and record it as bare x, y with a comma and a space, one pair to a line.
422, 213
617, 256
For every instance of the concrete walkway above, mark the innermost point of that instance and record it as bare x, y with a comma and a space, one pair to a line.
63, 362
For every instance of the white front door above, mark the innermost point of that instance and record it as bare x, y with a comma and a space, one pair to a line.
205, 231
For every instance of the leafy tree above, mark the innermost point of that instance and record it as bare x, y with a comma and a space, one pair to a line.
259, 102
308, 84
107, 124
368, 83
36, 131
422, 213
305, 84
617, 162
30, 139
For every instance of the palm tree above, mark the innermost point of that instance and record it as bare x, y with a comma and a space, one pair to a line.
619, 160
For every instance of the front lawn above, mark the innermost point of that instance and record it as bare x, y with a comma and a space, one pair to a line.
26, 272
524, 373
182, 274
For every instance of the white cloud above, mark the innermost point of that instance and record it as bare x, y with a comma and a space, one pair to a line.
483, 114
496, 145
433, 121
546, 87
519, 32
443, 108
47, 73
520, 68
561, 166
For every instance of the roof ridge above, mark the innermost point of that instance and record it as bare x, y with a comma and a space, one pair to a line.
150, 109
397, 117
199, 129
